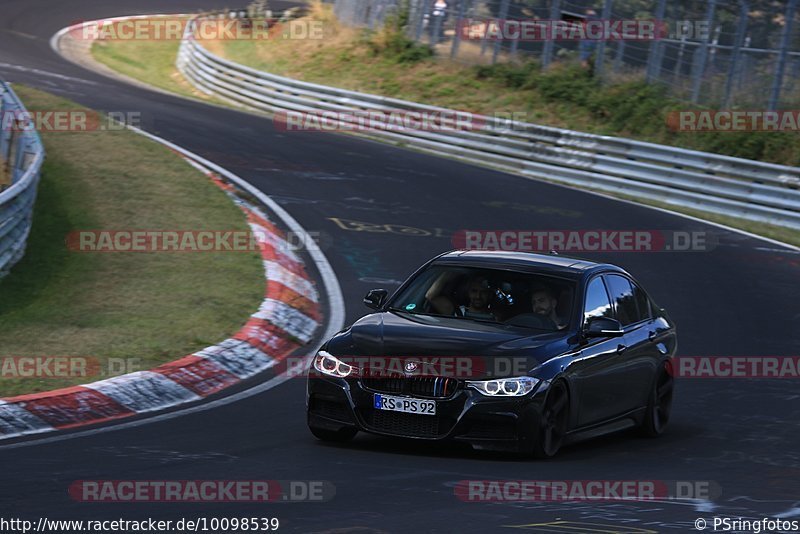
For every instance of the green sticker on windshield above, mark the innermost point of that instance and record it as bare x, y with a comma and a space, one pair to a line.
411, 306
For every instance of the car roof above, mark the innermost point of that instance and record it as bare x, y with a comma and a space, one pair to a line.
525, 261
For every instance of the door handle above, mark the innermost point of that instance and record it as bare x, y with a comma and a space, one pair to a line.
652, 335
621, 348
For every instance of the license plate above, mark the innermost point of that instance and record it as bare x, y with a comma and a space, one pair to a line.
405, 405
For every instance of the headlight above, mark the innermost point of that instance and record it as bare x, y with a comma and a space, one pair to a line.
328, 364
505, 387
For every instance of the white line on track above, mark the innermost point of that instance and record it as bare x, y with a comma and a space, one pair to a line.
40, 72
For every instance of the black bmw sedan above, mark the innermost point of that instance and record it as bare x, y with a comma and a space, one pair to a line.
503, 350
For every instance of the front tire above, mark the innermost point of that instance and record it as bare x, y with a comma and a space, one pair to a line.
553, 426
659, 406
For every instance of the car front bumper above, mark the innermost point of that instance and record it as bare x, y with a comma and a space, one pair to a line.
486, 423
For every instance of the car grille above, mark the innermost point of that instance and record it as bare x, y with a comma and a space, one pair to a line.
433, 387
404, 424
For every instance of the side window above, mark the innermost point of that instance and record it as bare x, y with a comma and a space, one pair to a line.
630, 301
624, 301
597, 303
642, 302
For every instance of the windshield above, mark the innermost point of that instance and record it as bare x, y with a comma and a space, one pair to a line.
528, 300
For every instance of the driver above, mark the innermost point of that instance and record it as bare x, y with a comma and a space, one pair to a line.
479, 297
480, 294
543, 306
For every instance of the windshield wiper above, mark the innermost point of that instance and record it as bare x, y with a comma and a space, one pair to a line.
476, 319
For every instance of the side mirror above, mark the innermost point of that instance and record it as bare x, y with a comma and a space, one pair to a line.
603, 327
375, 298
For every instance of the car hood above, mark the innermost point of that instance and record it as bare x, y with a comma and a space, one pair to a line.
396, 334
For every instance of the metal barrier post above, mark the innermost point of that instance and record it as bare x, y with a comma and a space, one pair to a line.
654, 60
736, 53
700, 67
780, 67
600, 58
460, 22
547, 52
502, 16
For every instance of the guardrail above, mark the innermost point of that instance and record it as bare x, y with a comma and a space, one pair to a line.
21, 155
713, 183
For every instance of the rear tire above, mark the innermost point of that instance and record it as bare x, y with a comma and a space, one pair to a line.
659, 406
553, 426
334, 436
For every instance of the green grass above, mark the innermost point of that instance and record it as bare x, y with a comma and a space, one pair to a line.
5, 176
153, 306
152, 62
386, 63
566, 96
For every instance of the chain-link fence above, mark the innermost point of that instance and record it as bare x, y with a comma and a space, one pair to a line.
743, 53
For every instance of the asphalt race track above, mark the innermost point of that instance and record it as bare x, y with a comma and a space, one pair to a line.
739, 299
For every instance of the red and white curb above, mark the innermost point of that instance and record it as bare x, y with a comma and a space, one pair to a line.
286, 320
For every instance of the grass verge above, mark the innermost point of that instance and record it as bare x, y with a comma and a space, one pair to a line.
386, 63
149, 308
151, 61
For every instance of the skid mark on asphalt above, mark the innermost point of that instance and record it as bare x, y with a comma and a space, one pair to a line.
792, 512
162, 456
21, 34
370, 204
415, 172
613, 518
579, 528
366, 263
326, 177
621, 516
534, 208
351, 203
351, 225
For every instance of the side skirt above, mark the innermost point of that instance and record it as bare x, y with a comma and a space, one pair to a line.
617, 424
